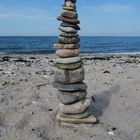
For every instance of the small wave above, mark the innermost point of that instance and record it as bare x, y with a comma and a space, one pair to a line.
3, 53
115, 54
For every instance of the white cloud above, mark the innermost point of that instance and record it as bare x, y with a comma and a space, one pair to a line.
31, 13
109, 8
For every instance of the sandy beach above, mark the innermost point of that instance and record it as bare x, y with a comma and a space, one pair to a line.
28, 102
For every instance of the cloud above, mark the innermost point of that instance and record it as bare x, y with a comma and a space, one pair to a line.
110, 8
30, 13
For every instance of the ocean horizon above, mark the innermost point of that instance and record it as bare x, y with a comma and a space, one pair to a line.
89, 44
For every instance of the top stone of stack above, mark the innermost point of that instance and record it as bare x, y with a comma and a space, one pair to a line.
69, 5
73, 1
69, 14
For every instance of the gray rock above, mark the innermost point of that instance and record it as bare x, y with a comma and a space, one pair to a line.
75, 108
68, 30
67, 46
68, 20
75, 116
69, 8
68, 60
65, 53
88, 120
68, 66
69, 76
68, 35
64, 24
69, 14
71, 97
70, 87
66, 40
69, 4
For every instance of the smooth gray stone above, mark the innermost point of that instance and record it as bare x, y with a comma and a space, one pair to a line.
69, 76
68, 30
67, 46
71, 97
64, 24
68, 35
69, 3
66, 121
68, 60
68, 20
66, 53
75, 116
66, 40
69, 8
69, 14
75, 108
68, 66
70, 87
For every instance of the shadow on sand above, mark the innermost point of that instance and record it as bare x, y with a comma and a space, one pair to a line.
102, 101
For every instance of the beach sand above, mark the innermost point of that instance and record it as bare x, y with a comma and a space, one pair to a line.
28, 102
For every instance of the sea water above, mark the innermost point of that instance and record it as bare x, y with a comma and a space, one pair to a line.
89, 44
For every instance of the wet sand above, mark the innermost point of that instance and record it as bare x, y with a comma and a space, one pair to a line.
28, 102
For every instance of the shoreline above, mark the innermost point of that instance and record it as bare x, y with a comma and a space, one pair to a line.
81, 54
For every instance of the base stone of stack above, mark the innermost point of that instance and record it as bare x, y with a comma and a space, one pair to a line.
88, 120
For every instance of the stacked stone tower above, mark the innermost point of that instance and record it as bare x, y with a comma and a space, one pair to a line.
69, 72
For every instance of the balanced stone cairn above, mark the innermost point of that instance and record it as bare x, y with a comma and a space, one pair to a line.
69, 72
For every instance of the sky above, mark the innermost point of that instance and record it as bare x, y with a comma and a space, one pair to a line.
98, 17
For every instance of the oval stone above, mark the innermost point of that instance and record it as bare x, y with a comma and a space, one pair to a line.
69, 76
69, 8
68, 66
69, 35
67, 40
67, 46
68, 20
69, 4
69, 14
76, 116
63, 53
68, 60
70, 87
71, 97
88, 120
70, 25
75, 108
68, 30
